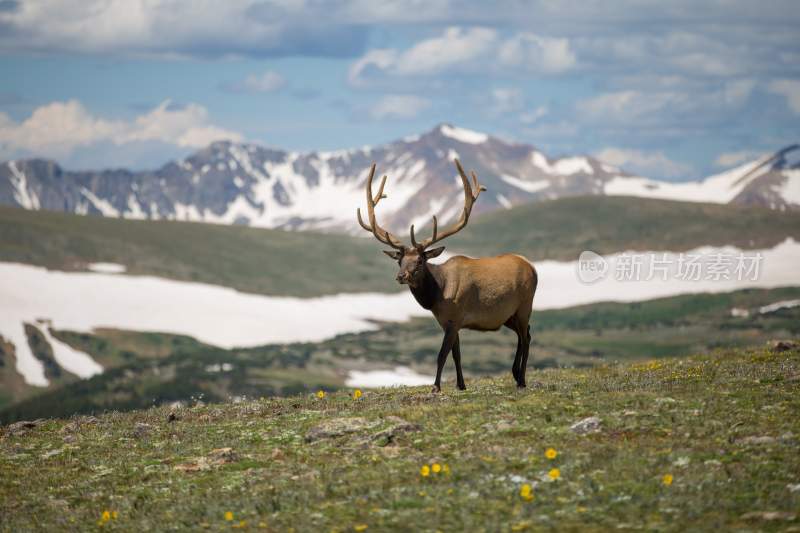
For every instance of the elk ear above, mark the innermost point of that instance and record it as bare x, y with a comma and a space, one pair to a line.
396, 255
436, 252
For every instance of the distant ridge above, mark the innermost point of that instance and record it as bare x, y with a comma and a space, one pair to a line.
237, 183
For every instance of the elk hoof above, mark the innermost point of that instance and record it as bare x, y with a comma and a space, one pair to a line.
520, 385
461, 386
436, 388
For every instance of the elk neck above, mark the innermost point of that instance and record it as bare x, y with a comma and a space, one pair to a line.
430, 290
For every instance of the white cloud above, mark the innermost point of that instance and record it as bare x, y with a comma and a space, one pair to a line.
176, 28
529, 117
58, 128
662, 105
729, 159
790, 89
646, 163
473, 49
536, 53
626, 105
399, 106
266, 82
506, 100
455, 47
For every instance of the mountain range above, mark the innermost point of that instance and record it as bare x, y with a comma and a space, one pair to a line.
239, 183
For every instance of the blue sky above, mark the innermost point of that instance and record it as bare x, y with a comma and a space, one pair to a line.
673, 90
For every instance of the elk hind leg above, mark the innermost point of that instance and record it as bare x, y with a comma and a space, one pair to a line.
511, 323
526, 347
457, 361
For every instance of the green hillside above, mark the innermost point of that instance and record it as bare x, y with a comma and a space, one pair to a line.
562, 229
695, 444
249, 259
154, 368
309, 264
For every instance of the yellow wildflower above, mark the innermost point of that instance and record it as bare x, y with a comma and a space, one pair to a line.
360, 527
320, 394
425, 471
667, 479
550, 453
526, 492
357, 394
554, 474
114, 515
446, 468
228, 516
436, 467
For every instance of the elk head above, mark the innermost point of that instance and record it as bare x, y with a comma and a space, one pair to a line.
412, 259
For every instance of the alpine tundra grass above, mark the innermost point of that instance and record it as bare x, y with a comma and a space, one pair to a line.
706, 442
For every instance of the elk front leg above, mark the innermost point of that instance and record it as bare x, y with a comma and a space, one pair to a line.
450, 336
457, 361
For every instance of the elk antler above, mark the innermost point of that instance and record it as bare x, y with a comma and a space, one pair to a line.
469, 199
381, 234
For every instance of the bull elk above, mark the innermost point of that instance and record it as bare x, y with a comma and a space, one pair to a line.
480, 294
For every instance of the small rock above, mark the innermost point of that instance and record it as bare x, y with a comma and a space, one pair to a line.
277, 454
22, 427
141, 430
76, 423
337, 427
69, 439
221, 456
769, 516
52, 453
793, 487
217, 457
586, 426
664, 400
782, 345
681, 462
398, 426
764, 439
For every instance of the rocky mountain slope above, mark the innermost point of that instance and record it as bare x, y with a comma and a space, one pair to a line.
233, 183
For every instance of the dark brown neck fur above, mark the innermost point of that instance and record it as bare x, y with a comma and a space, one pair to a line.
429, 291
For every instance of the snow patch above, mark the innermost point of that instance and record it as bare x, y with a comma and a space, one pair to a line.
398, 377
784, 304
70, 359
790, 189
103, 206
527, 186
24, 197
505, 202
463, 135
107, 268
573, 165
563, 167
719, 188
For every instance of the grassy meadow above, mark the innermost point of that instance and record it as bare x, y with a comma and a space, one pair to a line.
699, 443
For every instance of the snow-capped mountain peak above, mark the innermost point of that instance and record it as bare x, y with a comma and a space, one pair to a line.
240, 183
